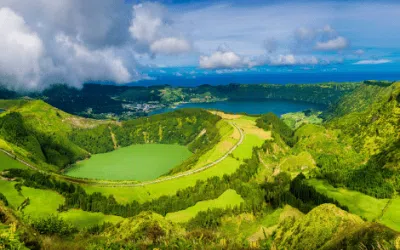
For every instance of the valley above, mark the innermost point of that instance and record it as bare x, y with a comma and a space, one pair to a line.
205, 177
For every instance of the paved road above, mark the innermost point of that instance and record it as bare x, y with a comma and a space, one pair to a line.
127, 184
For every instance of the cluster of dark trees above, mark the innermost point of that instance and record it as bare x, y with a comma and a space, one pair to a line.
371, 178
296, 193
374, 178
94, 140
53, 225
273, 123
40, 180
210, 219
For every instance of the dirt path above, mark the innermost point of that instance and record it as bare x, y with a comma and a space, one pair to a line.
114, 140
130, 184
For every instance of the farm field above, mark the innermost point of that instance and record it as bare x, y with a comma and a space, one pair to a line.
228, 199
137, 162
82, 219
358, 203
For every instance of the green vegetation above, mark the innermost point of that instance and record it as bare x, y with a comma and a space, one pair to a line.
228, 199
295, 120
321, 228
358, 203
7, 162
33, 202
136, 162
82, 219
292, 183
54, 137
391, 214
86, 102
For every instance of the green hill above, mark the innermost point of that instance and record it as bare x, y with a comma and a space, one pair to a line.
328, 227
51, 136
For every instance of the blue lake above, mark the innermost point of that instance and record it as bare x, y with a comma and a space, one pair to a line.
278, 107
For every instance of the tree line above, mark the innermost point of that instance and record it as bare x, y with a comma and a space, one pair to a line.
212, 188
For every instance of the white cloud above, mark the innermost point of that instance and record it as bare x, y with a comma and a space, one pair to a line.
337, 43
373, 62
359, 52
229, 71
170, 45
93, 65
147, 22
290, 60
21, 52
224, 60
153, 32
45, 42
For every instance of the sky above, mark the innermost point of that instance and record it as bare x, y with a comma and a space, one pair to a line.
122, 41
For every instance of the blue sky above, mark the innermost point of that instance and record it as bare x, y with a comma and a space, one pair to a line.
124, 41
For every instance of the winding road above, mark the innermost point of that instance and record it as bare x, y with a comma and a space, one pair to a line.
140, 184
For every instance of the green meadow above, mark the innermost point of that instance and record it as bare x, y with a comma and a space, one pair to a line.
137, 162
228, 199
7, 162
42, 202
391, 217
82, 219
358, 203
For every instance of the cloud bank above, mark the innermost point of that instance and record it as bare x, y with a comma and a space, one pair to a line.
153, 31
74, 41
224, 60
337, 43
45, 42
372, 62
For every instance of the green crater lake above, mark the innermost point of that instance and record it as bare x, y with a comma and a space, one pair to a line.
140, 162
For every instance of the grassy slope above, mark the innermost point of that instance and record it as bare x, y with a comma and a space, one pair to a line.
228, 199
42, 202
83, 219
136, 162
314, 229
295, 120
358, 203
248, 226
228, 140
391, 217
7, 162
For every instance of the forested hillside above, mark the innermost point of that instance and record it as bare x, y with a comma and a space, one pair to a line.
96, 100
57, 138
